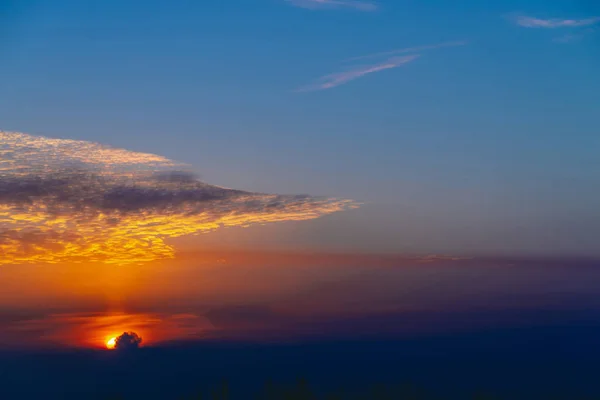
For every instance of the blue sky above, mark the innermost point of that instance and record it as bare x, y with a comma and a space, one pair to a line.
489, 146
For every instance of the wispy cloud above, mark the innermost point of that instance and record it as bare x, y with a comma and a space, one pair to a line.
532, 22
578, 28
340, 78
324, 4
410, 50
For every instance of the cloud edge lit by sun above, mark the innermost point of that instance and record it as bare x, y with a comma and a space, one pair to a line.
66, 200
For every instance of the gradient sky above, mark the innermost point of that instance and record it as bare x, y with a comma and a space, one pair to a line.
468, 131
483, 140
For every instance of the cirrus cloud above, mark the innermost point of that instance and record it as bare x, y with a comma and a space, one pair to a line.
532, 22
76, 201
386, 62
339, 78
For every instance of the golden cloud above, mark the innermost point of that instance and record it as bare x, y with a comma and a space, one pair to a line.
76, 201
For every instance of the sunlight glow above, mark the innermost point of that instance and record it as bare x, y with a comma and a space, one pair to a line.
76, 201
111, 343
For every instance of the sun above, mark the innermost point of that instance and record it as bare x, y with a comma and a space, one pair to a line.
111, 343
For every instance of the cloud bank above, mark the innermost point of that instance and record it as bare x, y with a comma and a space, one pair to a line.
329, 4
76, 201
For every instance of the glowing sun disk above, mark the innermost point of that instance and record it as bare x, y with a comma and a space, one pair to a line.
111, 343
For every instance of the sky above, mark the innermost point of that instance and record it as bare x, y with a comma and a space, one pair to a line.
481, 139
187, 136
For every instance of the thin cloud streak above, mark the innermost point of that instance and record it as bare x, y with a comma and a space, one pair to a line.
410, 50
340, 78
330, 4
336, 79
532, 22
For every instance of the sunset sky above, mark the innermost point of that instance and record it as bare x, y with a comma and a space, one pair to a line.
192, 169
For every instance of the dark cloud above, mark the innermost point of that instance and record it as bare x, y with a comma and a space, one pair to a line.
128, 341
176, 176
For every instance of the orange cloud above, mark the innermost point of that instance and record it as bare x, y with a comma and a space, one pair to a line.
75, 201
